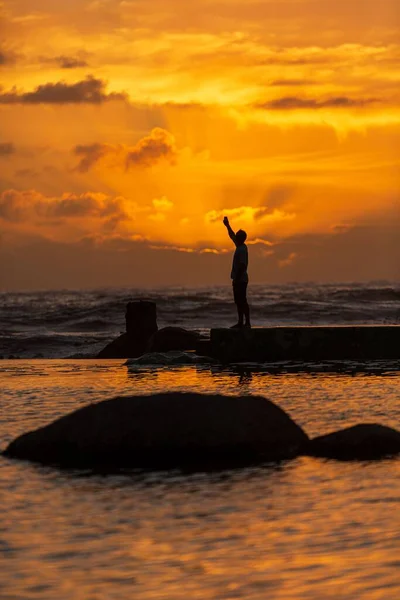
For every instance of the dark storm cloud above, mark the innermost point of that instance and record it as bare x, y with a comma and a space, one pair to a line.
87, 91
6, 149
294, 102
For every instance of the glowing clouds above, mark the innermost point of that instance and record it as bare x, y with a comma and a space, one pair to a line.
249, 214
33, 210
288, 261
87, 91
155, 148
187, 116
296, 103
91, 154
162, 204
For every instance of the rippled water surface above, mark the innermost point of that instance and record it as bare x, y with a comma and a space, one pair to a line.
307, 528
79, 323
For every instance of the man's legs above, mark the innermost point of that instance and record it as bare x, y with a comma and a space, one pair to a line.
246, 308
243, 310
237, 299
240, 312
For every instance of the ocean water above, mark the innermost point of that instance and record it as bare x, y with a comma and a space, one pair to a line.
301, 529
60, 324
307, 528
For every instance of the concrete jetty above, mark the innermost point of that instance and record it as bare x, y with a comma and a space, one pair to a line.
305, 343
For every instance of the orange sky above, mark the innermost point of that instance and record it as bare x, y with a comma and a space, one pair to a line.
129, 128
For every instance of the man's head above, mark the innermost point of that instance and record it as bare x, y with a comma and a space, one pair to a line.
241, 237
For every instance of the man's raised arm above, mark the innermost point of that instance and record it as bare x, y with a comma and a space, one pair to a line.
231, 233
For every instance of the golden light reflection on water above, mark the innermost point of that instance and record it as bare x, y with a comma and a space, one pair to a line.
38, 391
302, 529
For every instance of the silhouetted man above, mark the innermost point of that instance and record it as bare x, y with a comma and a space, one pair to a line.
239, 274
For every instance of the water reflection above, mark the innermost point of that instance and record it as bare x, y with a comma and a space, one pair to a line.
172, 479
304, 528
285, 532
141, 373
318, 401
244, 371
245, 376
336, 367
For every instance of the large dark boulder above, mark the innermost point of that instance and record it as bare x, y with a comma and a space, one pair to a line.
360, 442
163, 431
172, 338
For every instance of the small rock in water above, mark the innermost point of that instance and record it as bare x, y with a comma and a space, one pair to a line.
361, 442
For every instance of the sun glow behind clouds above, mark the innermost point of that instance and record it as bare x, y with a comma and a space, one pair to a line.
150, 121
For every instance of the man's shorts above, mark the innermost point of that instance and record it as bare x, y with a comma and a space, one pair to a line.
240, 293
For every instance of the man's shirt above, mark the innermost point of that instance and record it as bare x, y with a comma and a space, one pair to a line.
240, 257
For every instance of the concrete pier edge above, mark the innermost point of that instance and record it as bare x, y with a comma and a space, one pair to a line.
260, 344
